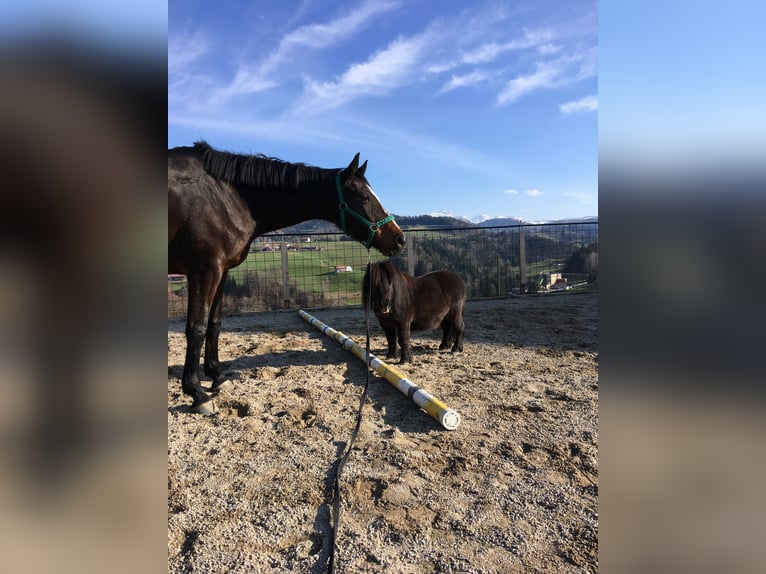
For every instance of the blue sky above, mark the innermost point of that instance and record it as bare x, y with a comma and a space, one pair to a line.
475, 108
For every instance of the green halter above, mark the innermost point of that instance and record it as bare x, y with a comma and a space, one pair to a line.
343, 206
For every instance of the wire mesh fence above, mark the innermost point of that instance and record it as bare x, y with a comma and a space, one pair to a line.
326, 269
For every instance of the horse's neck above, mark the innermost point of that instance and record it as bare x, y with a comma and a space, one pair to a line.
279, 208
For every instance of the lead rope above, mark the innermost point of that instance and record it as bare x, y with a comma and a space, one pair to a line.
344, 458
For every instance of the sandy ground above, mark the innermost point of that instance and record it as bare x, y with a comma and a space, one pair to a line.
513, 489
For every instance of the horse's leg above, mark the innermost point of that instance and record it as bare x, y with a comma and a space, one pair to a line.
404, 342
391, 338
202, 287
212, 366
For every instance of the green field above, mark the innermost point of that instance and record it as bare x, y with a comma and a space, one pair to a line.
312, 271
488, 262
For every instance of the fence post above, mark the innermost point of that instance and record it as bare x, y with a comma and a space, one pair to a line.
411, 254
497, 262
522, 262
285, 276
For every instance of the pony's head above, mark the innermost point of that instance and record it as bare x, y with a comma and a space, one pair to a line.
361, 214
383, 276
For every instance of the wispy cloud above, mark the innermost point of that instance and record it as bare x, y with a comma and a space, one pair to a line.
327, 34
466, 80
251, 79
433, 57
583, 105
529, 192
184, 49
489, 52
385, 70
555, 73
586, 198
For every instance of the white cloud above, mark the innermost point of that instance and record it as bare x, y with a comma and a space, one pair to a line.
485, 53
327, 34
529, 192
183, 49
586, 104
586, 198
252, 79
545, 76
385, 70
474, 78
548, 49
489, 52
551, 74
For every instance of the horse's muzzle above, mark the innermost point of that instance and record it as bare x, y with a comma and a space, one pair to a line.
390, 239
399, 243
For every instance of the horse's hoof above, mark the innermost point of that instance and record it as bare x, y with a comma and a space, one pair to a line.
206, 408
224, 386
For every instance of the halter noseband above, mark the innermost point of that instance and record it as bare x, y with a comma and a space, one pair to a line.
343, 206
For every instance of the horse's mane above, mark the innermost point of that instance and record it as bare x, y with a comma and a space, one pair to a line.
255, 170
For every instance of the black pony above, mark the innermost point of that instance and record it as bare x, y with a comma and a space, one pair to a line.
402, 303
218, 202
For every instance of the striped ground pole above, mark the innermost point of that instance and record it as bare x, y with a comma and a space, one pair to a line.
448, 418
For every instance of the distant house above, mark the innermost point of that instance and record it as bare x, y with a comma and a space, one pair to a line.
553, 282
343, 269
559, 283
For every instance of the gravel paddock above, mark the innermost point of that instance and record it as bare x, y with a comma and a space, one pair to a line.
513, 489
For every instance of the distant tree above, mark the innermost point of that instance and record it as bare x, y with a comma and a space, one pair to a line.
584, 261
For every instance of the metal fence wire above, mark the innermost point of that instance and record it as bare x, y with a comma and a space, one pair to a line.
291, 271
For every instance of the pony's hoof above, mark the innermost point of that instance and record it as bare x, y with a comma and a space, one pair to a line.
224, 386
206, 408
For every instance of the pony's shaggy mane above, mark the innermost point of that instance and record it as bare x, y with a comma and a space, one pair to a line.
255, 170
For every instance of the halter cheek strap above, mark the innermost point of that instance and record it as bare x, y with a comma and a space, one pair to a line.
343, 206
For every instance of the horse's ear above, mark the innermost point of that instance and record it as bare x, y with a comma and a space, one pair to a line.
352, 168
362, 169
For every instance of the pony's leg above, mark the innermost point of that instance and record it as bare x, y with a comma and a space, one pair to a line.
449, 333
391, 338
202, 288
404, 343
458, 327
212, 366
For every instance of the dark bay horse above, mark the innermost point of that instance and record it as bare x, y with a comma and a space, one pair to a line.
218, 202
403, 303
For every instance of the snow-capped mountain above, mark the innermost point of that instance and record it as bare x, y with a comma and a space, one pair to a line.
484, 220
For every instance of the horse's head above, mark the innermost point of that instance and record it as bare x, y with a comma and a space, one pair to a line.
361, 214
383, 276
